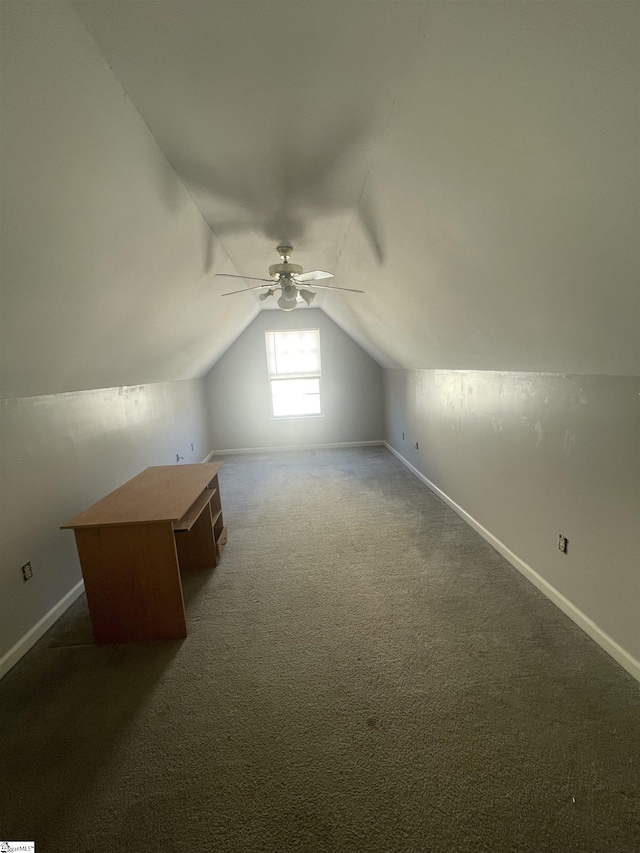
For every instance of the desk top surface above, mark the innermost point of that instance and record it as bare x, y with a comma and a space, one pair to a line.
161, 493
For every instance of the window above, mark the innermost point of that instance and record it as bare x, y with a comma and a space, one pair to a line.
293, 359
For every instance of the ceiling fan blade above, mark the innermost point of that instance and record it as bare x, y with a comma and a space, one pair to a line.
248, 277
333, 287
314, 275
247, 289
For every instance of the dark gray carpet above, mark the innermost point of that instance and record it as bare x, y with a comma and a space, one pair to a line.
363, 672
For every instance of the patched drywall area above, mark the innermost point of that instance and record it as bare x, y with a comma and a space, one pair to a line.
533, 456
238, 390
63, 452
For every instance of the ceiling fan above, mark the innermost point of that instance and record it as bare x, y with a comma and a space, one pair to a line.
287, 277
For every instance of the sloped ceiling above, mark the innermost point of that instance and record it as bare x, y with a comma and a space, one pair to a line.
471, 165
271, 113
107, 265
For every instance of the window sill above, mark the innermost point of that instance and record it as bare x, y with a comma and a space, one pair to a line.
296, 417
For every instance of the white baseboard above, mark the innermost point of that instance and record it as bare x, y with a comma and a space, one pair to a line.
294, 447
626, 660
606, 642
11, 658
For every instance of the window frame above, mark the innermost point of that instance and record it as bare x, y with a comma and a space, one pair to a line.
291, 376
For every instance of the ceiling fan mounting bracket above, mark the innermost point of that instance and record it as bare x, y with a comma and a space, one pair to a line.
285, 250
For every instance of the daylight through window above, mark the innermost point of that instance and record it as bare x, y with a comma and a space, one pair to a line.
293, 359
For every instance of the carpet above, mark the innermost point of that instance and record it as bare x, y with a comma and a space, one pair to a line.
363, 672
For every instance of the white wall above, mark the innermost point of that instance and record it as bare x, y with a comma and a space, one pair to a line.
63, 452
530, 456
238, 390
107, 280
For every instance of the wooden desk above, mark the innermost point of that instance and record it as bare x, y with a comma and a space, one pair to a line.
133, 543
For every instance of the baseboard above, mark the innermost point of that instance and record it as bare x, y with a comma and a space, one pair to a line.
294, 447
11, 658
209, 456
626, 660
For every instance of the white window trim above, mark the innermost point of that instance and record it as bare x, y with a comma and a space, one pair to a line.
286, 376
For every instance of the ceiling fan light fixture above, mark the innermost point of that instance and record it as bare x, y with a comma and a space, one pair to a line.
288, 277
307, 295
286, 304
289, 297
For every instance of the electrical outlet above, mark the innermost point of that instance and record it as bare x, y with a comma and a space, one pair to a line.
27, 572
563, 543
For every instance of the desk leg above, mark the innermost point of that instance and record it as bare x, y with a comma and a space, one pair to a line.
132, 582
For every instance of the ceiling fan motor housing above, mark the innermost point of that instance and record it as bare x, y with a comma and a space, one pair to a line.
285, 270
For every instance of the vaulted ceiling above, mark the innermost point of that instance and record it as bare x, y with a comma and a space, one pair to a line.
472, 166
